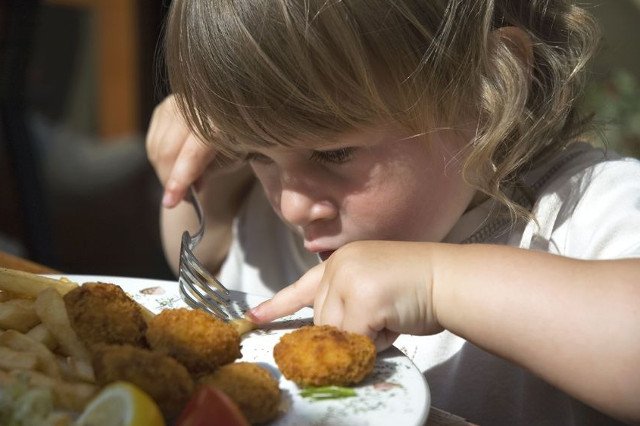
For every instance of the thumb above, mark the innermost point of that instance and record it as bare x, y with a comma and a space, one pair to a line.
290, 299
385, 339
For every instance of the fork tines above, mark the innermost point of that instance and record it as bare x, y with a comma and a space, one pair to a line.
198, 287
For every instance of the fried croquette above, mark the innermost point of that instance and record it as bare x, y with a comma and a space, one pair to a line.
165, 380
324, 355
104, 313
254, 390
196, 339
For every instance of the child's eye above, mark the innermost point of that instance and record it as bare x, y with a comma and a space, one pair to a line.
334, 156
256, 157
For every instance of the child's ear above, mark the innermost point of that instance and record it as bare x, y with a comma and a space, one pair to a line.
518, 42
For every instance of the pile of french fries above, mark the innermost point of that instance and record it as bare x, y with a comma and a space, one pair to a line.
38, 346
40, 349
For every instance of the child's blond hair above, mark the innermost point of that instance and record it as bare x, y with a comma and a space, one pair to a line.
264, 72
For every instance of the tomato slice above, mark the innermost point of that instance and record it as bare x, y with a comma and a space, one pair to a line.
209, 407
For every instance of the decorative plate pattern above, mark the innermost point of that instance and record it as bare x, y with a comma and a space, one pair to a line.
395, 393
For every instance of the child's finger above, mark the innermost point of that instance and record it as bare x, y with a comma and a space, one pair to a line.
358, 318
191, 163
354, 318
290, 299
385, 339
328, 309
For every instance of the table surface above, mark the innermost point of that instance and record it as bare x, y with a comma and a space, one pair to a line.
437, 417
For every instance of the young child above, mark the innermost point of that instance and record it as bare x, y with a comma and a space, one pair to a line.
420, 173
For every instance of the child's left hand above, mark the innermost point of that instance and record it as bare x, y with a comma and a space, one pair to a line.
378, 288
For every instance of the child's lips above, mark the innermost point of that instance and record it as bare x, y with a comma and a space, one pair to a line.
324, 255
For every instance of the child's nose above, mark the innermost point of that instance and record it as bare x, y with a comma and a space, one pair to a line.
300, 209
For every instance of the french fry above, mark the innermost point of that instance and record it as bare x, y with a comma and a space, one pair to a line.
5, 378
59, 419
38, 346
243, 325
5, 295
83, 370
29, 285
18, 314
146, 313
14, 360
67, 395
52, 311
42, 334
76, 370
17, 341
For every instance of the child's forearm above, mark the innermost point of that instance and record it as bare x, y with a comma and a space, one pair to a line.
221, 196
574, 323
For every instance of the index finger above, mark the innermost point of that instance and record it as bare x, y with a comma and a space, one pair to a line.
193, 159
290, 299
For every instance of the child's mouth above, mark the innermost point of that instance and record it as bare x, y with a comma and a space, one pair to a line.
324, 255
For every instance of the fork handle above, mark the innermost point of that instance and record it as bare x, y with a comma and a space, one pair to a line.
193, 199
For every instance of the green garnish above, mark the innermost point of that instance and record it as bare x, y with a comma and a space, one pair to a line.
327, 392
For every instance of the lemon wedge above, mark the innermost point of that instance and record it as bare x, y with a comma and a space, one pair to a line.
122, 404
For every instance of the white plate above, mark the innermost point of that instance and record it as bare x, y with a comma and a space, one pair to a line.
395, 393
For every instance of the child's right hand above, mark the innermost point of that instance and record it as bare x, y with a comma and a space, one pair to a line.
377, 288
177, 155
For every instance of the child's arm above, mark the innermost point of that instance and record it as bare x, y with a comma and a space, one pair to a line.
574, 323
181, 160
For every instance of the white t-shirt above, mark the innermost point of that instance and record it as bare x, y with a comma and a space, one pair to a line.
586, 205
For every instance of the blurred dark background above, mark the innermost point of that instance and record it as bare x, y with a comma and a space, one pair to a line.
78, 82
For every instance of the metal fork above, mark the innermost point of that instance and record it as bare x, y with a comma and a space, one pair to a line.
200, 289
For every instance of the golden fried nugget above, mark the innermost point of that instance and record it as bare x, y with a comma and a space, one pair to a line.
254, 390
196, 339
104, 313
166, 380
324, 355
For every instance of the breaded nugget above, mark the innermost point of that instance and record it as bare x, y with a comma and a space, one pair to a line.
165, 380
254, 390
324, 355
198, 340
104, 313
